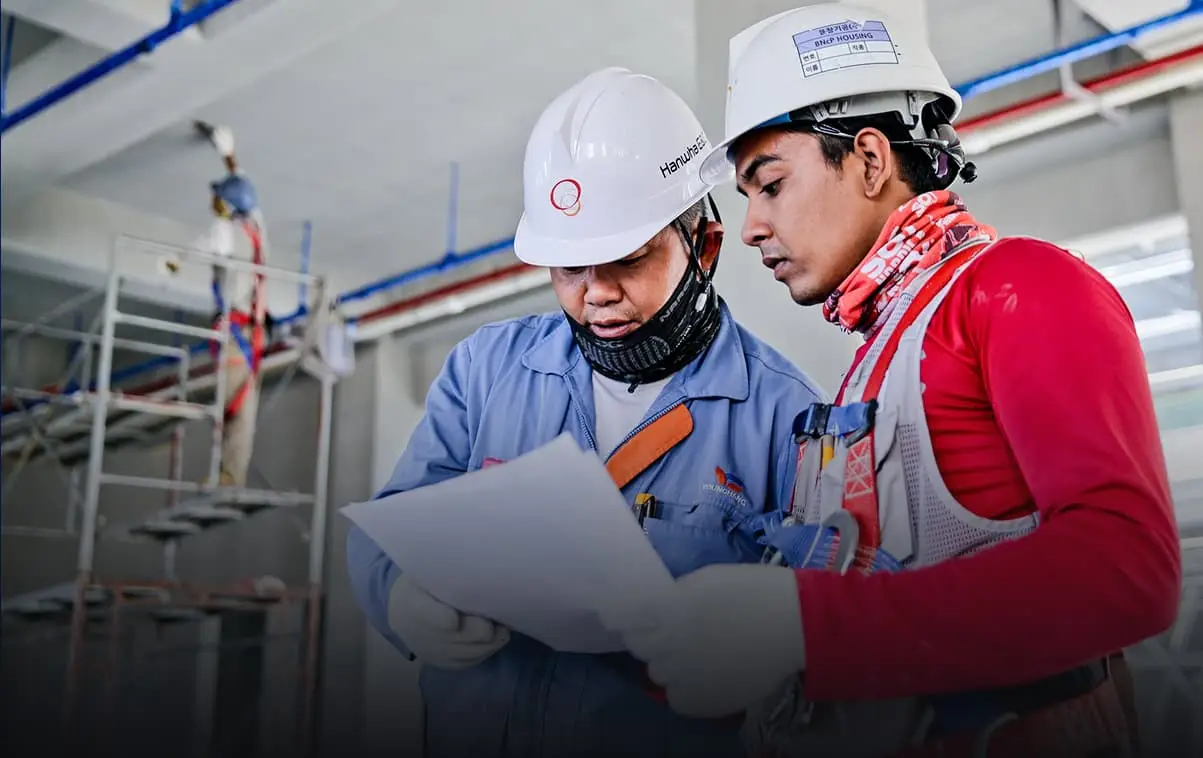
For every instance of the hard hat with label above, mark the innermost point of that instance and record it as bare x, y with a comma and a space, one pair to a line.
834, 61
610, 163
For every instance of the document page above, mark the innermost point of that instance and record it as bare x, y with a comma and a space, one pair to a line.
541, 544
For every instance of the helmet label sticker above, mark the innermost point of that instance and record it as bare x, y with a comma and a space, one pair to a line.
837, 46
688, 153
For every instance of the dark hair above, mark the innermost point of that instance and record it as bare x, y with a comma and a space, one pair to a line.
690, 217
914, 163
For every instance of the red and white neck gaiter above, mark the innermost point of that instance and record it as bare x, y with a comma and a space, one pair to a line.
915, 237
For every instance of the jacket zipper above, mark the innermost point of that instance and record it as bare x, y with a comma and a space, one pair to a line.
644, 425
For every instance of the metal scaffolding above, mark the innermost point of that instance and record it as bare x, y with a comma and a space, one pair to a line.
74, 422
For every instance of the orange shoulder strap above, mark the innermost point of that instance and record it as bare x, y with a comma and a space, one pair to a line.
645, 448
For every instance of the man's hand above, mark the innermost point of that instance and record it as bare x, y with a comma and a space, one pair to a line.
729, 637
438, 634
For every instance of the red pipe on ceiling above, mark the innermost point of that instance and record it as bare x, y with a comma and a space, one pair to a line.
446, 291
1098, 84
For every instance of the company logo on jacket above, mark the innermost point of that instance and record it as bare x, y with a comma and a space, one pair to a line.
727, 485
730, 481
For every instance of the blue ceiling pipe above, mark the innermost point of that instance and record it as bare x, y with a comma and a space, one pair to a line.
1074, 53
447, 263
180, 20
451, 261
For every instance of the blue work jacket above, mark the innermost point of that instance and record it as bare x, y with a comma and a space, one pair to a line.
514, 386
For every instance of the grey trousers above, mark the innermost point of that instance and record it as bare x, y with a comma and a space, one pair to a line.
238, 433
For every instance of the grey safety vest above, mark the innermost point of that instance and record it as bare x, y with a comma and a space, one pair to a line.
920, 524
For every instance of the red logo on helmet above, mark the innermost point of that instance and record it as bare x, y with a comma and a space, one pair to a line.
566, 197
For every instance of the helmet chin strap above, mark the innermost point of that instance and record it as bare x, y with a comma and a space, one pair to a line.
679, 332
696, 247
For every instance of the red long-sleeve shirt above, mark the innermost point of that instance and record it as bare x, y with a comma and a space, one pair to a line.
1037, 397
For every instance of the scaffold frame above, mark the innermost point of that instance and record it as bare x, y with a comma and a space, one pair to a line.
54, 421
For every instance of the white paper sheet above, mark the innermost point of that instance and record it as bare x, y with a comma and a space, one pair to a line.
541, 544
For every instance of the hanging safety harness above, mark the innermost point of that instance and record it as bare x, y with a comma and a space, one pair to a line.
869, 497
252, 352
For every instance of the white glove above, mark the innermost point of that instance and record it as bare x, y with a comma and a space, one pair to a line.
223, 140
729, 637
438, 634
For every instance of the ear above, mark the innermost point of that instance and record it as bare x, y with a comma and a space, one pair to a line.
712, 242
877, 155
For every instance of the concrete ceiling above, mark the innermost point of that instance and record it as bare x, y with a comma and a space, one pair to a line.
354, 124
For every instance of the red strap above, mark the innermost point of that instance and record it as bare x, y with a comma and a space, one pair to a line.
236, 402
932, 287
258, 302
860, 498
254, 320
860, 469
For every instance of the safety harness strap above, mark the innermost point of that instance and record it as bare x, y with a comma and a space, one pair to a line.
254, 351
860, 468
646, 447
938, 280
258, 301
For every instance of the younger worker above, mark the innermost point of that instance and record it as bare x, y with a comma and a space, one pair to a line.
1004, 487
645, 365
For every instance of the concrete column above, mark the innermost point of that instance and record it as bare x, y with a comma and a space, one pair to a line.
344, 663
756, 299
1186, 124
393, 710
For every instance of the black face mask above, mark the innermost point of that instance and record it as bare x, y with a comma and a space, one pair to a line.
679, 332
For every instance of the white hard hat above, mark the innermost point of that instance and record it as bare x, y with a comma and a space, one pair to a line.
811, 56
610, 163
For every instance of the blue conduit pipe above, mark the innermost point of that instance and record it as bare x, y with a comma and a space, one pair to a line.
303, 288
1074, 53
180, 21
449, 262
969, 89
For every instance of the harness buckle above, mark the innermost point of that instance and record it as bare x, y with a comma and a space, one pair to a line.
812, 422
859, 419
851, 422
